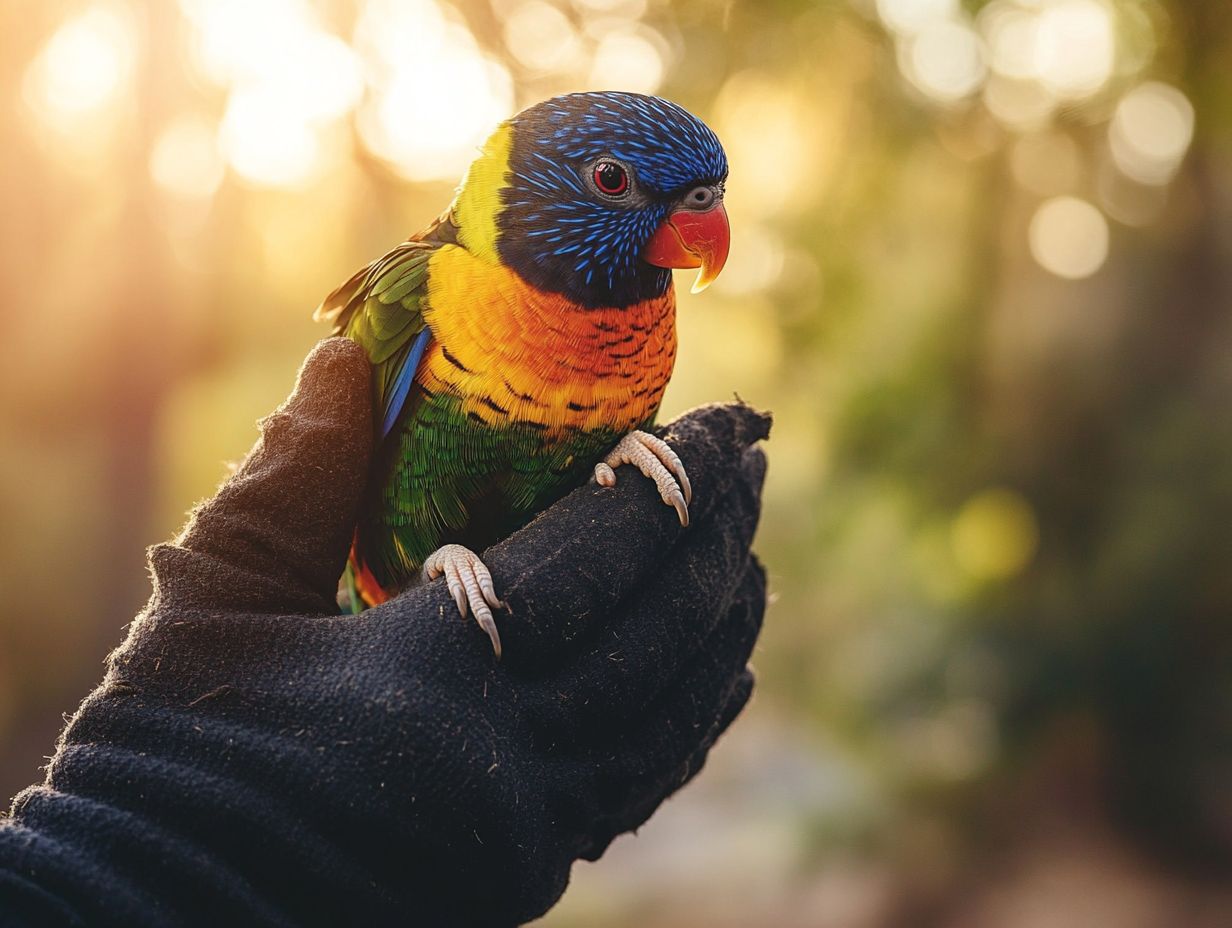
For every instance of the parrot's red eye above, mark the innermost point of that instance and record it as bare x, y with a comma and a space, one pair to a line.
611, 178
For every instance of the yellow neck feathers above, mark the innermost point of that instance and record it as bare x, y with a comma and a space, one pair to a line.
478, 201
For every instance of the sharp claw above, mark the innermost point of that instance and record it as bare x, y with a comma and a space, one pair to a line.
683, 479
470, 584
487, 623
676, 466
655, 459
676, 500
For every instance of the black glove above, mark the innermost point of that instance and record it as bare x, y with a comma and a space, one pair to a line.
253, 757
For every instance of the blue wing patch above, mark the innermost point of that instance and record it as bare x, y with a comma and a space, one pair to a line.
396, 398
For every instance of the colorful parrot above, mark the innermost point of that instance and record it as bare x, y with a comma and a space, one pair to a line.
525, 338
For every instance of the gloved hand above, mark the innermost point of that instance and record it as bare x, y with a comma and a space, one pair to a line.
253, 757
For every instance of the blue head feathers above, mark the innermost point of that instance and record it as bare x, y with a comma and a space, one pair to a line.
591, 177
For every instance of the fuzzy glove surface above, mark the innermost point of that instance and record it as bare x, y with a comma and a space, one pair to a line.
254, 758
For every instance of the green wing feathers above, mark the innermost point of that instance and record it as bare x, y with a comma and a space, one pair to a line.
380, 308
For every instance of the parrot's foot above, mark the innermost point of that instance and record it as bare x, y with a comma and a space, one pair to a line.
470, 584
654, 458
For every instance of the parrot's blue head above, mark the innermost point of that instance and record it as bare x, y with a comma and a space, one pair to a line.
598, 195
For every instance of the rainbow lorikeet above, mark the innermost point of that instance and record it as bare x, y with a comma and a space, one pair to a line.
525, 338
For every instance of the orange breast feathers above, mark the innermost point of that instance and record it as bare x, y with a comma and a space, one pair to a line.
515, 353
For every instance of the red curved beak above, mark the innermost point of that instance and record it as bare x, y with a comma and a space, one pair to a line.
689, 238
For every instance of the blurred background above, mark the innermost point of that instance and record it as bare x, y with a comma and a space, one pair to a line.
981, 272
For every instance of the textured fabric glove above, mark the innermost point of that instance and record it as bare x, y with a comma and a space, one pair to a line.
254, 758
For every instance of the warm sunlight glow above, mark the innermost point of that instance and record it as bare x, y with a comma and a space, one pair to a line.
84, 67
945, 60
628, 59
289, 80
541, 37
626, 9
1011, 33
279, 44
770, 136
267, 143
978, 254
1075, 47
907, 17
1069, 237
242, 43
1151, 132
185, 162
1021, 105
1045, 53
756, 261
437, 94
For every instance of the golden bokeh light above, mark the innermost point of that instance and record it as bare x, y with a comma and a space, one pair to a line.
994, 535
289, 81
1011, 31
186, 162
1030, 57
629, 58
907, 17
756, 260
1021, 105
938, 51
1069, 237
1151, 132
617, 9
541, 37
280, 46
75, 85
266, 143
771, 137
421, 131
945, 60
234, 41
1075, 48
85, 65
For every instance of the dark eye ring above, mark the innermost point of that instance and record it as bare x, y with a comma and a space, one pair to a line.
611, 178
